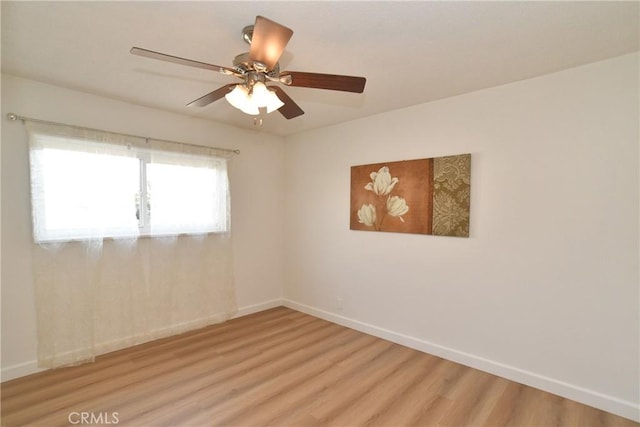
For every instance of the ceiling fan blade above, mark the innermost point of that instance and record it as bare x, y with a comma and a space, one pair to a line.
182, 61
290, 109
324, 81
212, 96
268, 41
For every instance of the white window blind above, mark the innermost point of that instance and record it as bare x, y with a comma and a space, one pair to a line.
88, 185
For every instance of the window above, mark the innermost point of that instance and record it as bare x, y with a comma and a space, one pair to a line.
92, 189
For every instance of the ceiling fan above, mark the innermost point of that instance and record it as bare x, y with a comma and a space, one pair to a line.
258, 67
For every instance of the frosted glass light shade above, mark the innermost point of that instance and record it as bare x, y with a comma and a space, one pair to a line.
250, 103
238, 97
260, 94
250, 108
274, 102
263, 97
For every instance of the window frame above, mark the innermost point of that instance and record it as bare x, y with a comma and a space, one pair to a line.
145, 156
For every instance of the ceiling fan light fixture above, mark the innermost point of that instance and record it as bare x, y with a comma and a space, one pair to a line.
263, 97
238, 97
250, 102
260, 94
274, 102
250, 109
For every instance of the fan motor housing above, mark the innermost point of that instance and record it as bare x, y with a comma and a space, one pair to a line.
243, 64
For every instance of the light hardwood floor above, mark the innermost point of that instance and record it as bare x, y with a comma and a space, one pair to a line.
283, 368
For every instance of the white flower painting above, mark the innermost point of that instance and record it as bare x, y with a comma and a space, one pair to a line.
367, 215
382, 184
397, 206
421, 196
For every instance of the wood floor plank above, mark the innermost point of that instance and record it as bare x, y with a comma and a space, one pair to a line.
345, 393
468, 397
292, 406
407, 406
145, 354
375, 401
505, 407
169, 380
284, 368
283, 402
222, 400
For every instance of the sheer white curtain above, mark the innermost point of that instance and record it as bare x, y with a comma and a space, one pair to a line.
99, 285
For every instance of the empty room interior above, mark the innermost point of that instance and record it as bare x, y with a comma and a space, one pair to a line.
320, 213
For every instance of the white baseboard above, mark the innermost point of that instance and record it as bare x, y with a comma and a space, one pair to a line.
20, 370
598, 400
31, 367
255, 308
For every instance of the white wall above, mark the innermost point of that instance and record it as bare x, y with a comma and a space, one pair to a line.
545, 290
256, 177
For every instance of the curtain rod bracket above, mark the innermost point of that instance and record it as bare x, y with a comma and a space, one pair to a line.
12, 117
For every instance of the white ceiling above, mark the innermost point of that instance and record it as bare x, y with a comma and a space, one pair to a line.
410, 52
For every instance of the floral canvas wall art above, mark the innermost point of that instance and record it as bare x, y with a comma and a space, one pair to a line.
424, 196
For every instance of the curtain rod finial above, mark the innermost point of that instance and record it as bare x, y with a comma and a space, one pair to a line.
12, 117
